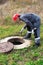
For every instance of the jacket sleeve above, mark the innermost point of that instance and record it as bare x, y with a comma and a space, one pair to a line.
27, 22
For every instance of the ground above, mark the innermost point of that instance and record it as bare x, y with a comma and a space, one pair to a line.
26, 56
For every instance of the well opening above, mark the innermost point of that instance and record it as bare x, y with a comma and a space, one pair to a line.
16, 41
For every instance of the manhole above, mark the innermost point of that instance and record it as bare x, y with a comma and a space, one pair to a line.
6, 47
16, 41
19, 42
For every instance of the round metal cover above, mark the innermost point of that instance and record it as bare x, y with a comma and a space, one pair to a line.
6, 47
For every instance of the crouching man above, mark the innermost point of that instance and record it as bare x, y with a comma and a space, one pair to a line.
32, 23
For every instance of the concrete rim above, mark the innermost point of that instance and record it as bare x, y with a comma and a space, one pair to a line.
26, 43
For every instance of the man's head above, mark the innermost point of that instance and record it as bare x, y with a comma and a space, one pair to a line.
16, 17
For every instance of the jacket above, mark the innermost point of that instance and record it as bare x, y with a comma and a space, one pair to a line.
31, 19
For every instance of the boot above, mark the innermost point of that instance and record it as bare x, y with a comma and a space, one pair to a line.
28, 35
37, 44
37, 41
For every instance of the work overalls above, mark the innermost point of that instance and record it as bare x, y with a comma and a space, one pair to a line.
32, 21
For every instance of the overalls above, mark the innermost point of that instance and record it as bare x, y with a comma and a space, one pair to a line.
32, 21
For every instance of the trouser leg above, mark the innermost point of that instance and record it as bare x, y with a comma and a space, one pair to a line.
37, 36
28, 34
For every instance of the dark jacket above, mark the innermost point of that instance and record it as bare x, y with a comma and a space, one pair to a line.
31, 19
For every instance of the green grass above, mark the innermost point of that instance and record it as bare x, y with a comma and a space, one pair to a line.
26, 56
10, 30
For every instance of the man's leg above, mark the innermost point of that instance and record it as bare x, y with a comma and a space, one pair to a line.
28, 35
37, 36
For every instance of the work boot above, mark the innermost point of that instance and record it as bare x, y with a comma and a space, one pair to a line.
28, 35
36, 45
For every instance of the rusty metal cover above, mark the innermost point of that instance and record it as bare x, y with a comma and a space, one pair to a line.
6, 47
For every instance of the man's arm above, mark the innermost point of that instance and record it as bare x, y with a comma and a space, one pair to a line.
26, 21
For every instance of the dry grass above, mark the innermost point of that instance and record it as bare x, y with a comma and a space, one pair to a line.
11, 7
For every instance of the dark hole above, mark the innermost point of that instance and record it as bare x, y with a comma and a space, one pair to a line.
16, 41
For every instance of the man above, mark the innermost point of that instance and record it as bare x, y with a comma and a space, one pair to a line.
32, 24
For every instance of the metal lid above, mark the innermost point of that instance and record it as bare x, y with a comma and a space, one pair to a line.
6, 47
